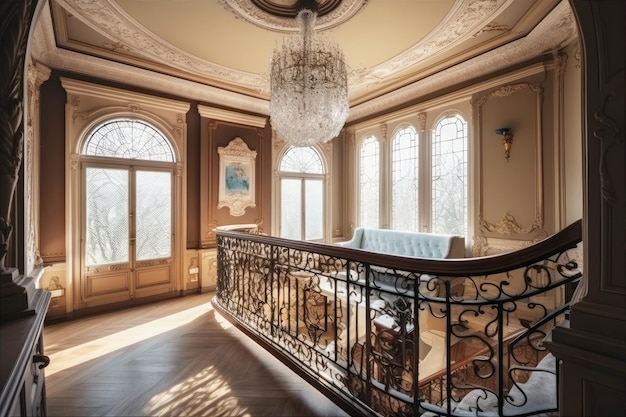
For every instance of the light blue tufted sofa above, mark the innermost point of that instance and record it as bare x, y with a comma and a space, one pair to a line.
403, 243
413, 244
417, 245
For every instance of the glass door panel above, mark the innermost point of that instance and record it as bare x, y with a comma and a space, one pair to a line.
314, 209
107, 217
291, 208
153, 219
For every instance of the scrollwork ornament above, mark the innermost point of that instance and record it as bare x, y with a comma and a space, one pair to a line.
610, 134
15, 18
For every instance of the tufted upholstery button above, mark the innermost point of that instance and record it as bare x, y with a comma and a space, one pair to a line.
413, 244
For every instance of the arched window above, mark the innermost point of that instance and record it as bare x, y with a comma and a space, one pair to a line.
369, 183
435, 203
128, 139
404, 180
449, 175
127, 202
301, 174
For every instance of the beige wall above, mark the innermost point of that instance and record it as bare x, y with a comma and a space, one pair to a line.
533, 194
513, 202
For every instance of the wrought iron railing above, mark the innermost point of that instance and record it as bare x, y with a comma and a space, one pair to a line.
397, 336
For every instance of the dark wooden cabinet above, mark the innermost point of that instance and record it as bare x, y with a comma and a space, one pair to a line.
22, 360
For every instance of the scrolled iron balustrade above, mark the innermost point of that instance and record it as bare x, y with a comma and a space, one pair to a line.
396, 336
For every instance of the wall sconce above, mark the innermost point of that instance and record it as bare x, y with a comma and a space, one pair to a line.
507, 140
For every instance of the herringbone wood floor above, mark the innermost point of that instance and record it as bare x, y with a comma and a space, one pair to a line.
172, 358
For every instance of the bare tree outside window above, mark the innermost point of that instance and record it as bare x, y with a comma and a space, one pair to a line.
302, 194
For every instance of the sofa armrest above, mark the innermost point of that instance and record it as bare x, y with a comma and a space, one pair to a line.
355, 242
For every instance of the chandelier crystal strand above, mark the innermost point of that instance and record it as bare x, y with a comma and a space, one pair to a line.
309, 94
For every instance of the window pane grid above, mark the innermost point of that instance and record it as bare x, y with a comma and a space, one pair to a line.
154, 215
303, 160
449, 177
301, 195
369, 180
128, 139
404, 177
107, 223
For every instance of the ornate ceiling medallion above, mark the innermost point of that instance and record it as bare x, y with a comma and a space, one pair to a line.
286, 8
279, 15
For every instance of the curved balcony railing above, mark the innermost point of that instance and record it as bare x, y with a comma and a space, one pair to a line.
397, 336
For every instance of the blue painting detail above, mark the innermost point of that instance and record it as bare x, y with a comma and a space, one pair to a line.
237, 179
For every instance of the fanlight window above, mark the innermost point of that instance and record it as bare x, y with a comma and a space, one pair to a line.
303, 160
128, 139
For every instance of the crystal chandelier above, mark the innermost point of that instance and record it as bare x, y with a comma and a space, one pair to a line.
309, 93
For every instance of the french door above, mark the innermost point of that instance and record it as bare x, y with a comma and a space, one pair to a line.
127, 232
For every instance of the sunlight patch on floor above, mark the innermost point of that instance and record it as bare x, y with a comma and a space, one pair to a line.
93, 349
217, 400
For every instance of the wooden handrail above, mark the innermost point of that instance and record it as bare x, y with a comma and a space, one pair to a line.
567, 238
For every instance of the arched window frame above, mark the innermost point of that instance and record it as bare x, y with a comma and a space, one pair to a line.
89, 147
461, 155
89, 105
404, 128
424, 138
364, 167
323, 152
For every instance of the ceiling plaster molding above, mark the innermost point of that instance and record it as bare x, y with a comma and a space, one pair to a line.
457, 96
110, 20
465, 19
246, 10
44, 50
42, 39
555, 31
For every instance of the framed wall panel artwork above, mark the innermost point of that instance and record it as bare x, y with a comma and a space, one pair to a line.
237, 179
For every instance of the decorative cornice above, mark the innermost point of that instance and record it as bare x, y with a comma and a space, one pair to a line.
508, 90
231, 116
46, 52
109, 19
556, 30
468, 16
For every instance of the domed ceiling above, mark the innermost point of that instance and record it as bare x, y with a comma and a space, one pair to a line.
225, 45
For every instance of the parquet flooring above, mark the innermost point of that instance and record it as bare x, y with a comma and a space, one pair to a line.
177, 357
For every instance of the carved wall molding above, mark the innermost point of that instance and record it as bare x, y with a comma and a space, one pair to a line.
36, 75
507, 232
506, 235
508, 90
509, 226
610, 135
421, 118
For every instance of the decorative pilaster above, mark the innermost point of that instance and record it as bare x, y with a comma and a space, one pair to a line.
37, 75
592, 349
15, 20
